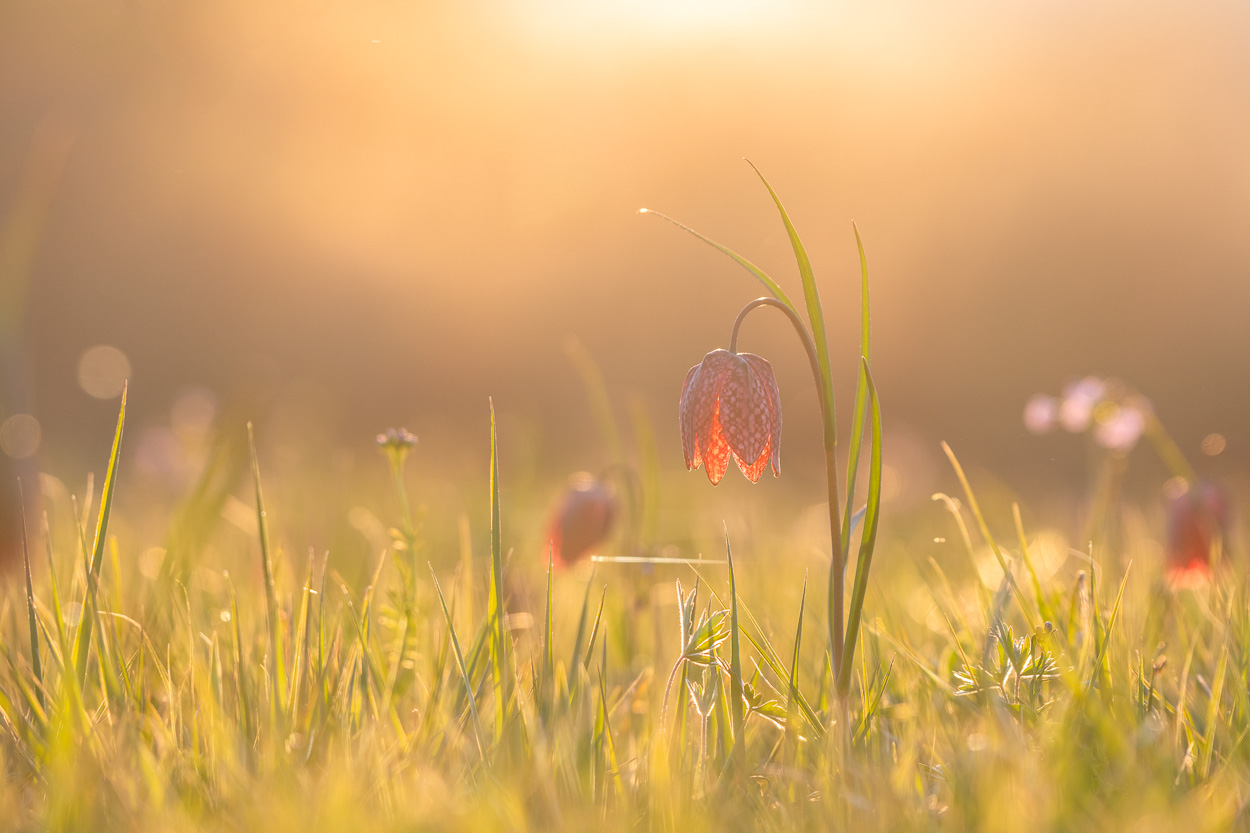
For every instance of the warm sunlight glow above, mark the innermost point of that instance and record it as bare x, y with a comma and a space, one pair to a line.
685, 17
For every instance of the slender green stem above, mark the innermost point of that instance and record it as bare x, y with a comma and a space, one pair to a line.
1167, 449
401, 490
804, 336
837, 573
397, 460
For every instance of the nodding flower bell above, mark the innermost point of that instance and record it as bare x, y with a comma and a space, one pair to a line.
730, 406
582, 520
1197, 519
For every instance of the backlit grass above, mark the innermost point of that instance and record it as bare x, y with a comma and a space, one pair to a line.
994, 677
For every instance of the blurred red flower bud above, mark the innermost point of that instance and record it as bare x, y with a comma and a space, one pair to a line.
582, 520
730, 406
1196, 519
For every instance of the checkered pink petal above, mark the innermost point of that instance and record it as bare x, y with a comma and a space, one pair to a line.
685, 416
768, 382
730, 407
745, 411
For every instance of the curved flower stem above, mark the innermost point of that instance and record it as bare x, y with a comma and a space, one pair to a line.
837, 572
794, 319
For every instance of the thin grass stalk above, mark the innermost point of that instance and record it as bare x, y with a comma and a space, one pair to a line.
989, 538
35, 665
649, 471
498, 642
464, 671
242, 697
82, 645
861, 402
580, 636
546, 680
277, 676
735, 664
61, 635
594, 631
792, 687
597, 392
868, 541
300, 662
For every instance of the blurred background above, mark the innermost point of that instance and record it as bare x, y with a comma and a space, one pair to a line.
332, 217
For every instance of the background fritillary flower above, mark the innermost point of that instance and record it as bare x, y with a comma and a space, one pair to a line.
582, 520
1197, 520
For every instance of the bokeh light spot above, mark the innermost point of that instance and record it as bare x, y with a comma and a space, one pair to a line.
103, 371
192, 414
19, 436
1175, 487
1213, 444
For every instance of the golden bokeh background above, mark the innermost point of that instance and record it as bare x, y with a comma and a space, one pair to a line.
342, 216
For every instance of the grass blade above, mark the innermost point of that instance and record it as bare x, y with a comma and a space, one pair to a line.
649, 471
300, 663
57, 613
868, 541
594, 629
792, 689
30, 602
464, 671
1101, 669
580, 636
278, 679
811, 298
597, 392
735, 662
1043, 604
769, 284
546, 681
82, 645
989, 538
498, 641
242, 696
861, 395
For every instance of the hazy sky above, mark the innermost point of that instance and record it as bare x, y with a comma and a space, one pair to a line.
392, 210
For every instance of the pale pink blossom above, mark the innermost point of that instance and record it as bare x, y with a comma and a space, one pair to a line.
1041, 414
1079, 399
1122, 430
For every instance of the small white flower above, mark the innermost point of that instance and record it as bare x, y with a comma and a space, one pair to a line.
1079, 399
1041, 414
1121, 430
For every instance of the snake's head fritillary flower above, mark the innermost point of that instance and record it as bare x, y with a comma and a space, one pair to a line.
730, 407
1196, 519
582, 520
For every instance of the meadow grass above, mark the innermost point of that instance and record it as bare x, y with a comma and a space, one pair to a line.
995, 683
1077, 697
440, 699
